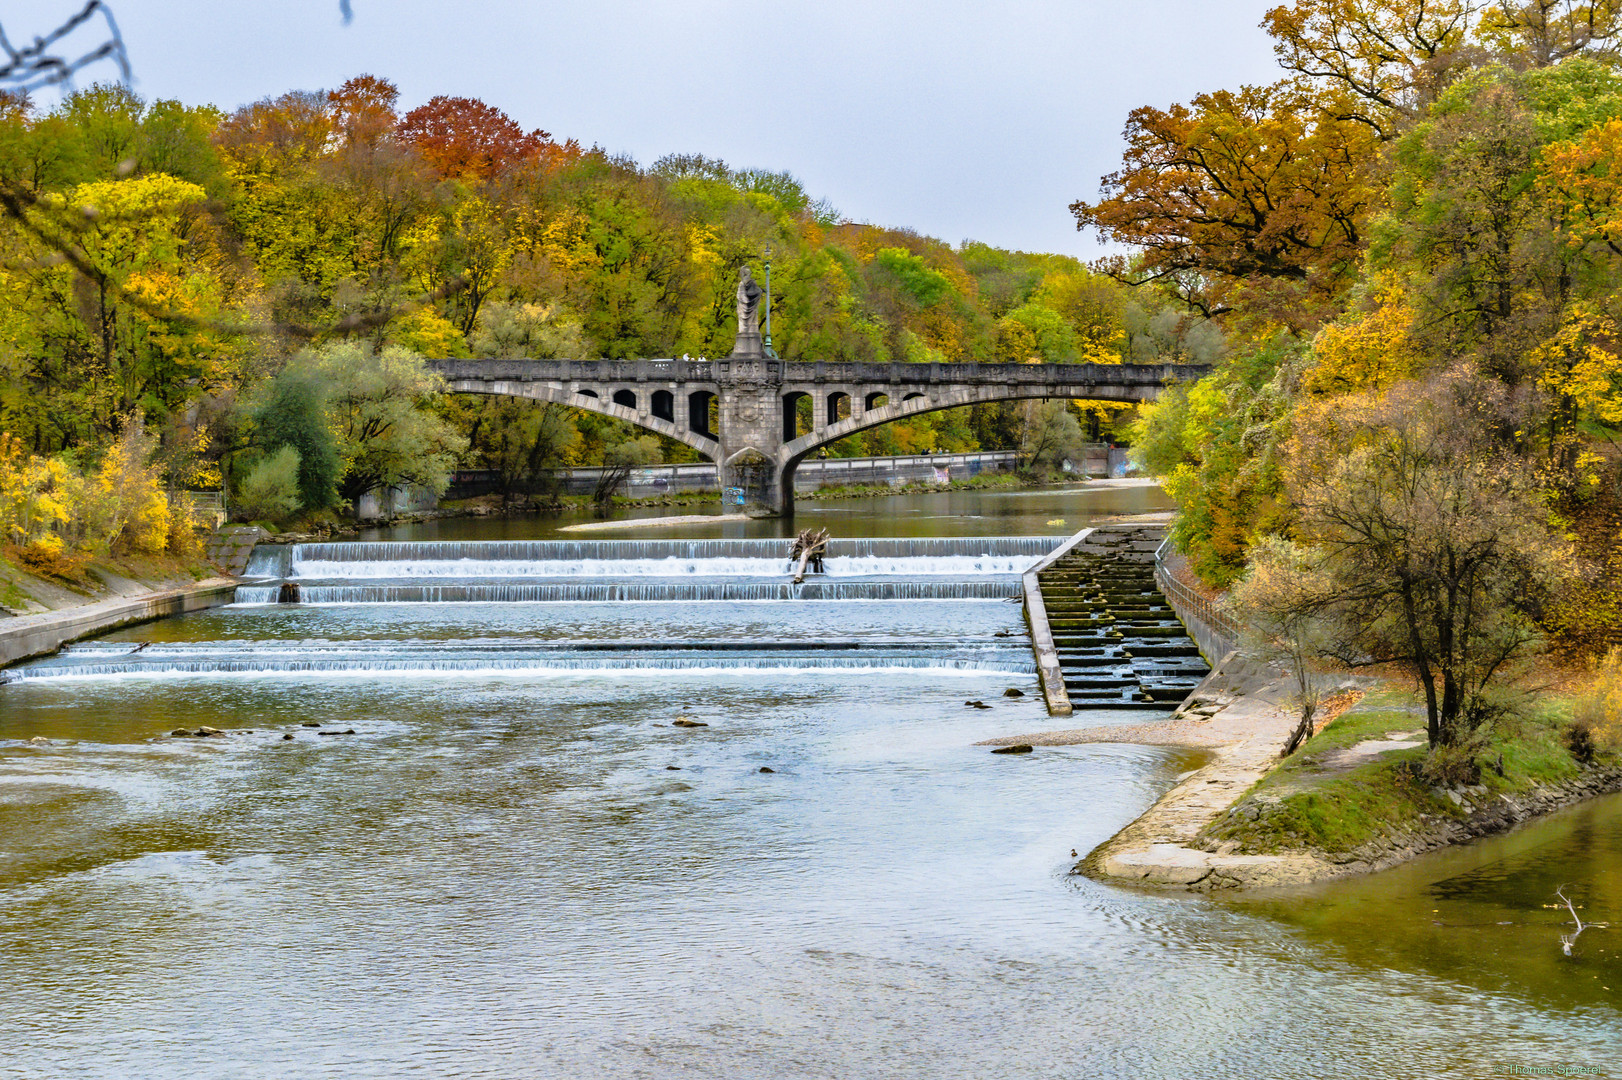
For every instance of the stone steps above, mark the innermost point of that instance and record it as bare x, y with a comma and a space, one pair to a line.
1119, 644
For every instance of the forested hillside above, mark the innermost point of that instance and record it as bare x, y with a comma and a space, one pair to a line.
252, 290
1413, 241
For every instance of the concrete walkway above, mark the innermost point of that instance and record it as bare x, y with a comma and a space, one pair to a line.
38, 635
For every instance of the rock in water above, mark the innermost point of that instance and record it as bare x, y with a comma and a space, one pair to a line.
1013, 691
39, 740
286, 737
1017, 748
684, 722
672, 768
311, 723
977, 705
765, 769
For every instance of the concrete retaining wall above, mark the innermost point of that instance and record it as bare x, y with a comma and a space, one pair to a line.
1036, 617
38, 635
809, 475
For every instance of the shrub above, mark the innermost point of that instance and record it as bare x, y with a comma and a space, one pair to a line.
184, 538
125, 507
1580, 741
1451, 766
271, 490
1598, 709
48, 557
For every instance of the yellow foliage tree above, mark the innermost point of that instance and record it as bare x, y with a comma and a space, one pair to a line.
125, 507
1581, 372
1585, 177
30, 497
1370, 349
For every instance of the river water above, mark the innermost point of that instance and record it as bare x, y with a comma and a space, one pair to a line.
516, 866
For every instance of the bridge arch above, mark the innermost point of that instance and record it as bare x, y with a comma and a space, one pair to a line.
586, 401
915, 404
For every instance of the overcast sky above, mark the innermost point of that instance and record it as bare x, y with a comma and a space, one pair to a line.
963, 119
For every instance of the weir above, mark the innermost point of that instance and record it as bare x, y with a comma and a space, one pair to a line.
277, 560
643, 592
603, 571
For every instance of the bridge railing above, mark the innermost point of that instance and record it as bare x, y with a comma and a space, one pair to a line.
1216, 632
818, 371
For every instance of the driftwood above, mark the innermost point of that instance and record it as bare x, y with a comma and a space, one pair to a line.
811, 546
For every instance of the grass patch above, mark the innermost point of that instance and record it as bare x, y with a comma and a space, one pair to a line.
1311, 800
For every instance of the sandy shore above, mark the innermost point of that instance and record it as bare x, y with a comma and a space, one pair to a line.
656, 523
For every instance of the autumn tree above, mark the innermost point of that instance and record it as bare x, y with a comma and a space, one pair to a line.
1382, 61
1546, 32
1433, 536
1260, 195
464, 137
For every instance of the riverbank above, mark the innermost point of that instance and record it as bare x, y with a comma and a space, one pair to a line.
1351, 800
42, 614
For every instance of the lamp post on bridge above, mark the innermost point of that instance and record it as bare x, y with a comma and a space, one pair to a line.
768, 342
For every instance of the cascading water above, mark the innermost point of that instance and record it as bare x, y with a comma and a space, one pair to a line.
267, 659
466, 601
597, 571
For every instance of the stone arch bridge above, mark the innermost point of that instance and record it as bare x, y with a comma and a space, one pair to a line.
758, 445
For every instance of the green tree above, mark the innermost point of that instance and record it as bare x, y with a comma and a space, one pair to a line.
270, 491
294, 414
377, 407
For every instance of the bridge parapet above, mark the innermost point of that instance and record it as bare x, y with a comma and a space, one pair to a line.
814, 371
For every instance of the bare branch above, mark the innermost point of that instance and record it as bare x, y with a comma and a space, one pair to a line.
37, 65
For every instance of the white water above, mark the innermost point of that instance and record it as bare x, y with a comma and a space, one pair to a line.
988, 588
839, 566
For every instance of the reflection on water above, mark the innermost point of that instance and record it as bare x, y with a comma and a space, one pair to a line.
533, 873
1487, 913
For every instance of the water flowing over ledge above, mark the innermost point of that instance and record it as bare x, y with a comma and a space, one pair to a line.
606, 592
283, 560
542, 659
603, 571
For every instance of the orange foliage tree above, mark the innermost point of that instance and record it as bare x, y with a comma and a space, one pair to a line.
1260, 194
461, 136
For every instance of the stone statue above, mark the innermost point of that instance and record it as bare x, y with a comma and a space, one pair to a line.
749, 295
749, 343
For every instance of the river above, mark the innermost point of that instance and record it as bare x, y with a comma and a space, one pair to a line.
517, 867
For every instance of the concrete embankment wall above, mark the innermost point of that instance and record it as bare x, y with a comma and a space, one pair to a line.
811, 474
38, 635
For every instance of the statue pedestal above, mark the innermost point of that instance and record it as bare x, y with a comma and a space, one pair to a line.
748, 346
